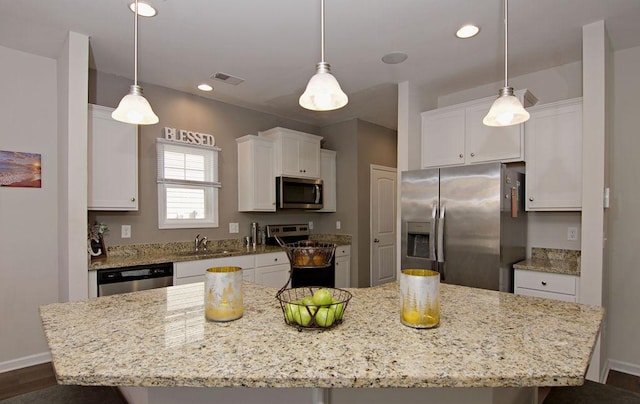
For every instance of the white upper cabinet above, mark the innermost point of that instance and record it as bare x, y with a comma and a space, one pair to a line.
112, 162
554, 156
328, 175
297, 154
455, 135
256, 174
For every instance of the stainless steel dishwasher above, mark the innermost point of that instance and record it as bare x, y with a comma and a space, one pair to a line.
132, 279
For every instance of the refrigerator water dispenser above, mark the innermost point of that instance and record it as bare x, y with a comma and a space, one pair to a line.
418, 239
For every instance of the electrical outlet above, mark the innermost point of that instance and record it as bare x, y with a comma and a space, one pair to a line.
572, 233
234, 228
338, 225
125, 231
310, 225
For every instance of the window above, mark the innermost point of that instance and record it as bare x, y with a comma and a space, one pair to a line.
187, 185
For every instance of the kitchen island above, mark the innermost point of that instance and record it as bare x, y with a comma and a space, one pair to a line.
489, 347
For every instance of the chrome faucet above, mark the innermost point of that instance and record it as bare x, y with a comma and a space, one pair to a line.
200, 242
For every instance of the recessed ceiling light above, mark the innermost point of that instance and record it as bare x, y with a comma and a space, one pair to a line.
205, 87
467, 31
144, 9
393, 58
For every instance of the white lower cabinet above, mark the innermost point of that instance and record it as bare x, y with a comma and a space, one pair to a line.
547, 285
272, 269
194, 271
343, 266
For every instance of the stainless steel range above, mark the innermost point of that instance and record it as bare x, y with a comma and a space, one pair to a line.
290, 233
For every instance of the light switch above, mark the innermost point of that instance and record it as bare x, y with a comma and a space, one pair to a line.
125, 231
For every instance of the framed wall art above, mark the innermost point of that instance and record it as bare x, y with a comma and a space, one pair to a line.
20, 169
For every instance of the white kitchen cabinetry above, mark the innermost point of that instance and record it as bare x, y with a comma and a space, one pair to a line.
194, 271
256, 174
272, 269
455, 135
554, 156
547, 285
297, 154
343, 266
112, 162
328, 176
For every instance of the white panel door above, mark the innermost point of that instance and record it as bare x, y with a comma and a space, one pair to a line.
383, 225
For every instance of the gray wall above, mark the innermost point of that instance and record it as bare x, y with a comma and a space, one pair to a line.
361, 144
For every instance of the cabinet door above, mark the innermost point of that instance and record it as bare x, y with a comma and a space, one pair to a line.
193, 271
256, 178
554, 157
443, 137
275, 276
343, 267
309, 152
487, 143
113, 162
291, 156
328, 175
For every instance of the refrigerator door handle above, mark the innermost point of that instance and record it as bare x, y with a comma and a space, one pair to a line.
440, 235
432, 244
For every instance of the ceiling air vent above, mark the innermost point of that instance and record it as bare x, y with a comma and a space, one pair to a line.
227, 78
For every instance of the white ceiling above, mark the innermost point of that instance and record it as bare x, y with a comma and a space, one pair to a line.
274, 45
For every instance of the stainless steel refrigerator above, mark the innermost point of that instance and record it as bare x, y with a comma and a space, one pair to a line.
467, 222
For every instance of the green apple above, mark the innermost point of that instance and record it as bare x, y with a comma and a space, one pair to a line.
338, 309
322, 297
302, 316
308, 301
288, 312
325, 317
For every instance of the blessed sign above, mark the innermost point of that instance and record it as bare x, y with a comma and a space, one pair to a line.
189, 137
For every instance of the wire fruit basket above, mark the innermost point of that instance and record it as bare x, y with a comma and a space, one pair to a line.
300, 311
309, 253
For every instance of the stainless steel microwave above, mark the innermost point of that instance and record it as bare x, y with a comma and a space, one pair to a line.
298, 193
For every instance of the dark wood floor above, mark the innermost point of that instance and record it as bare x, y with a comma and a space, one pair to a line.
27, 379
42, 376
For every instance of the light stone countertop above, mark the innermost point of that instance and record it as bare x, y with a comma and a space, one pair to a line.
552, 260
160, 337
158, 253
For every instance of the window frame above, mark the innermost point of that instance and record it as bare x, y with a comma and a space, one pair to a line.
210, 188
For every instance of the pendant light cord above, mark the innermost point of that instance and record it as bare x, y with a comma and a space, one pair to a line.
135, 46
321, 31
506, 40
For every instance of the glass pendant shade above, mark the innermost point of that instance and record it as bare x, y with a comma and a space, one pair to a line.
506, 110
135, 109
323, 92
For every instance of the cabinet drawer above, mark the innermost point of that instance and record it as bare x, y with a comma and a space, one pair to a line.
263, 260
343, 250
544, 281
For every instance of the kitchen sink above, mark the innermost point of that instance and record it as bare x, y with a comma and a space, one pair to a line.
218, 251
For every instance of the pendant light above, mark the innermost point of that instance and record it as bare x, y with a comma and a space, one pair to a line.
323, 92
506, 110
133, 107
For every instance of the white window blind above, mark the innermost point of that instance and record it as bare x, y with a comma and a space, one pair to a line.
187, 185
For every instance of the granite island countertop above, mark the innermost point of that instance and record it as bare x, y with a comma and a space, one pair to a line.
158, 253
160, 337
552, 260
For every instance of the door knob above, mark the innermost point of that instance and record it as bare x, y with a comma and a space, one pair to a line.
375, 240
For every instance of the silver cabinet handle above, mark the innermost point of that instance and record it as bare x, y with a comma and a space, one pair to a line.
544, 283
531, 199
133, 199
461, 155
473, 154
375, 240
